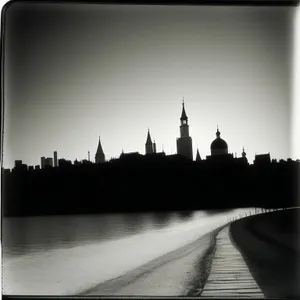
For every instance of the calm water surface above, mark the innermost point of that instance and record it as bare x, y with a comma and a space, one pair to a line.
64, 255
34, 234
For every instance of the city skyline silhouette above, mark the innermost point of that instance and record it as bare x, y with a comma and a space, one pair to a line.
184, 148
114, 73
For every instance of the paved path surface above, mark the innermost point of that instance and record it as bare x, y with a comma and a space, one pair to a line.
176, 273
229, 275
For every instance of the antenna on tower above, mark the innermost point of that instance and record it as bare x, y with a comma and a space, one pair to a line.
89, 155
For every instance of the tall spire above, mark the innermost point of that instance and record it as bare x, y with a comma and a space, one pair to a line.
99, 149
148, 145
184, 143
149, 141
198, 157
183, 114
99, 157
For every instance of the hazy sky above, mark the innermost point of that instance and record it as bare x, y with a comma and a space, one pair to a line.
77, 71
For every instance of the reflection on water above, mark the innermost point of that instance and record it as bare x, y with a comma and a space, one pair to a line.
35, 234
42, 255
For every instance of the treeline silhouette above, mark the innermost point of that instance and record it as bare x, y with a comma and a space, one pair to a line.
149, 184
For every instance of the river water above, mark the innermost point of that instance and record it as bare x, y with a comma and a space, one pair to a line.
65, 255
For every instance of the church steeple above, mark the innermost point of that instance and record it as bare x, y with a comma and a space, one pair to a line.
184, 143
148, 141
198, 157
184, 127
99, 157
149, 144
183, 118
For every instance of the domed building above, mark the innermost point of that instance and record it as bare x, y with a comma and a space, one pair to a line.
218, 146
219, 151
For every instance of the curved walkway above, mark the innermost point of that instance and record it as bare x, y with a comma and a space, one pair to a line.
229, 275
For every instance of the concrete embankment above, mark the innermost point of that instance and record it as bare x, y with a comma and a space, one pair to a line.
270, 244
182, 272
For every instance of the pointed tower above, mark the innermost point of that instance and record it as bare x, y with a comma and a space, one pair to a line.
198, 157
184, 143
99, 157
148, 145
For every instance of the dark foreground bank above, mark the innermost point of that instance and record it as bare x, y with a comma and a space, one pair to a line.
270, 244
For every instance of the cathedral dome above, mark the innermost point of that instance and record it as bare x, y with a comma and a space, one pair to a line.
218, 143
218, 146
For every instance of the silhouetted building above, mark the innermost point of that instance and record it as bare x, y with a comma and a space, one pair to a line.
86, 162
184, 143
30, 168
43, 162
219, 151
49, 162
244, 156
6, 172
99, 157
55, 159
130, 154
149, 146
131, 157
37, 167
63, 162
18, 164
262, 159
218, 146
242, 160
162, 154
198, 157
76, 162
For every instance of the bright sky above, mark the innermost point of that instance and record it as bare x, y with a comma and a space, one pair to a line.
74, 72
